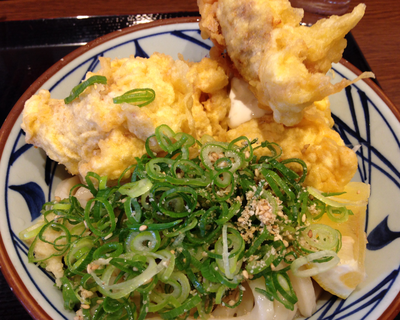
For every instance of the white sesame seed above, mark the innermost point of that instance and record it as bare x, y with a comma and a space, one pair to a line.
108, 236
143, 227
285, 243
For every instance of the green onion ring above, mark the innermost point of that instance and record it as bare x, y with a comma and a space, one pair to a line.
139, 97
77, 90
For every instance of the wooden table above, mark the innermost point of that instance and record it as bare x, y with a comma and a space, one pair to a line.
378, 33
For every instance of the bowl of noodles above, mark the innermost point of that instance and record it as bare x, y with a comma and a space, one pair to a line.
363, 117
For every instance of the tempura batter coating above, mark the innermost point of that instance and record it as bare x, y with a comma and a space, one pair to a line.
211, 102
284, 63
331, 165
94, 134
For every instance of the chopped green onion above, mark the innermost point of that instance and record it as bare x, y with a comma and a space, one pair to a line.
77, 90
319, 237
135, 189
70, 297
80, 254
138, 97
312, 268
146, 241
31, 231
184, 233
338, 215
317, 194
154, 226
184, 308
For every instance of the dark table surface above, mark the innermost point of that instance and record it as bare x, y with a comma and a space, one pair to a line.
30, 47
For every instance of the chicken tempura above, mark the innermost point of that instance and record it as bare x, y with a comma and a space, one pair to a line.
284, 63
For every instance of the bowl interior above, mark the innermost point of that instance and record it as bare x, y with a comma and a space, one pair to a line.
363, 116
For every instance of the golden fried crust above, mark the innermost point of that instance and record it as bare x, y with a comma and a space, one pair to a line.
94, 134
209, 24
331, 165
113, 153
211, 103
284, 63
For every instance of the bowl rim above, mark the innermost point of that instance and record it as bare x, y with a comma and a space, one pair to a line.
6, 265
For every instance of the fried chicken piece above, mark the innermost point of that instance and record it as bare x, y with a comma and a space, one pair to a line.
284, 62
94, 134
331, 165
211, 103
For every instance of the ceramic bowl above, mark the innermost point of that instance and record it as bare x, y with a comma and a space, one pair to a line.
363, 116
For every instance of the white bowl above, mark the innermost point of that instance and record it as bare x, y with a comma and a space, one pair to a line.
363, 116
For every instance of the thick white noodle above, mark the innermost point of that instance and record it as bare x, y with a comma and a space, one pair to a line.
222, 312
254, 305
83, 195
247, 302
263, 308
304, 288
281, 313
63, 188
245, 307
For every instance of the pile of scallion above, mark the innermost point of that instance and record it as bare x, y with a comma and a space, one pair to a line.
185, 234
